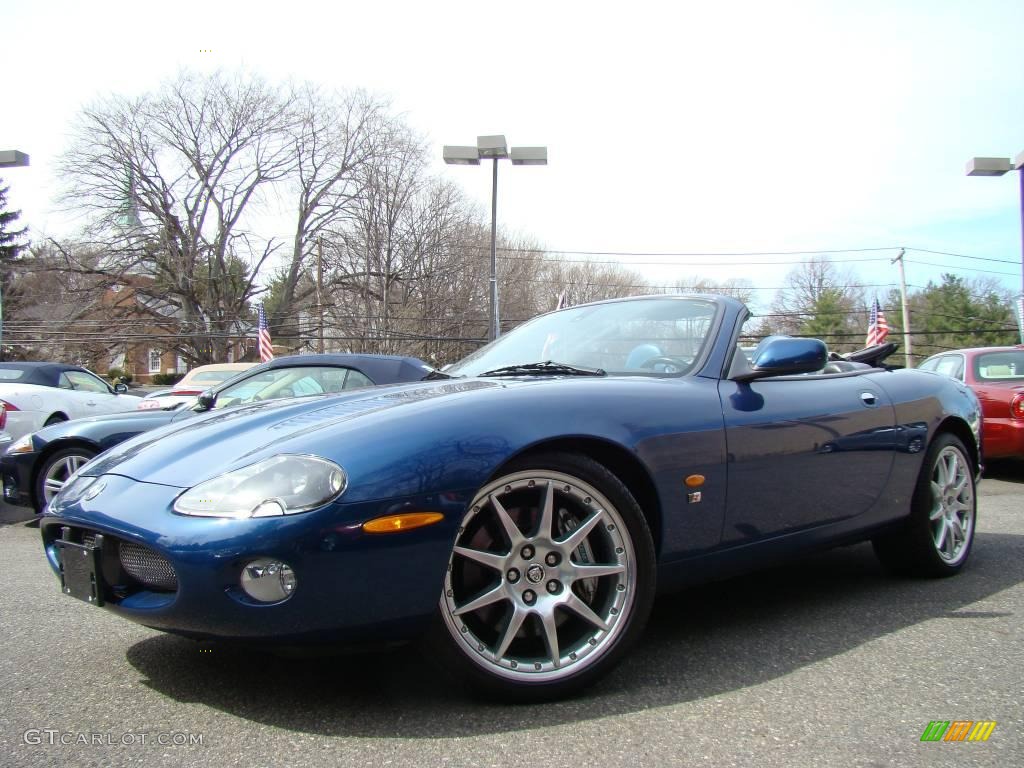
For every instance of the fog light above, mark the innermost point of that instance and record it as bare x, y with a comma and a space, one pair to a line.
268, 581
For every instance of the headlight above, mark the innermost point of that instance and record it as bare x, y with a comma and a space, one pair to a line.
75, 488
22, 445
281, 485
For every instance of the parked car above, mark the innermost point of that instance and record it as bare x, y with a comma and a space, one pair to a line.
519, 516
192, 384
996, 374
33, 395
35, 467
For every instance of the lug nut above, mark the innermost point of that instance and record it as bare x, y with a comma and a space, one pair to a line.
529, 597
552, 558
526, 552
512, 575
554, 587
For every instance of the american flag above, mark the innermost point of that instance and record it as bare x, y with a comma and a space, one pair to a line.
878, 328
266, 349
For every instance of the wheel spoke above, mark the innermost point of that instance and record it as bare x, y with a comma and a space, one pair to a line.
487, 598
53, 486
488, 559
579, 534
596, 571
515, 536
936, 512
551, 637
547, 512
581, 609
940, 536
514, 623
957, 530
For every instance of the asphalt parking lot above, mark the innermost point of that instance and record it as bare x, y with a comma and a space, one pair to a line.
824, 662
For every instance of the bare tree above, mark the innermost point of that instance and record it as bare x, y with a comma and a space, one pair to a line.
820, 300
169, 181
737, 287
336, 136
582, 282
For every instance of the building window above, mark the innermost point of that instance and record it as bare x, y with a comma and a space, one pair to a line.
154, 361
182, 365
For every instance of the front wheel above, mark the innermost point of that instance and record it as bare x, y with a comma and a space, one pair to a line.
56, 470
936, 539
550, 580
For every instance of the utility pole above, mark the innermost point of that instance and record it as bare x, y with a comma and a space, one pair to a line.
319, 291
907, 348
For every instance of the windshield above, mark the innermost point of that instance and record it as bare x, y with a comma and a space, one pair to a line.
1000, 366
290, 382
655, 336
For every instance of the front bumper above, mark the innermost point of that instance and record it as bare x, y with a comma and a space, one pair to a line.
352, 586
16, 475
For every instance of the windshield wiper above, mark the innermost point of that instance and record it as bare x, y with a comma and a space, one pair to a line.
547, 368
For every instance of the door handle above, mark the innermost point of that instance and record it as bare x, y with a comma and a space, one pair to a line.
869, 398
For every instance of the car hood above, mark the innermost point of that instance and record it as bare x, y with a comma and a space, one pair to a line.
98, 427
186, 453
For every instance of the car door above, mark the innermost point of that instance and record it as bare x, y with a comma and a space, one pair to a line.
88, 395
803, 451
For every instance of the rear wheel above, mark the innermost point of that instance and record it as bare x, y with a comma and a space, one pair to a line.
56, 470
550, 581
936, 539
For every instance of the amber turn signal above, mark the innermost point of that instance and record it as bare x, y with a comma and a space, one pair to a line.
694, 481
404, 522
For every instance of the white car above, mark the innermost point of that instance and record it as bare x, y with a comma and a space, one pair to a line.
34, 395
193, 384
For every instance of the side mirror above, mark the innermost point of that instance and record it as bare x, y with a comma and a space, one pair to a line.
786, 357
207, 399
120, 388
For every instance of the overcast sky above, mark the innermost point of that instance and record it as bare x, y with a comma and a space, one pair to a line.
675, 127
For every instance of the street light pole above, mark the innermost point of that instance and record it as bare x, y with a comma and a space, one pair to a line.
495, 313
997, 166
495, 148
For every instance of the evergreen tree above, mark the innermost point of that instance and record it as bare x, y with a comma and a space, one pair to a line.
9, 238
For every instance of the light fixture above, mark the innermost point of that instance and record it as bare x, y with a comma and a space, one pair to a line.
12, 158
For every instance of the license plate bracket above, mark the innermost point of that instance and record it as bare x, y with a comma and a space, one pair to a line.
81, 572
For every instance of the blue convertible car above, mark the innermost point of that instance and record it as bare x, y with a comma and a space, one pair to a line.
520, 515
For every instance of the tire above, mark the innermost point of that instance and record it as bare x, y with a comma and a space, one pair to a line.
55, 471
936, 539
519, 616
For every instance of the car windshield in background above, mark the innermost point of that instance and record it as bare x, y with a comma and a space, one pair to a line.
1000, 366
211, 377
651, 336
291, 382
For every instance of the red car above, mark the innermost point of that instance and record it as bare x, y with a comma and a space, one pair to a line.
996, 374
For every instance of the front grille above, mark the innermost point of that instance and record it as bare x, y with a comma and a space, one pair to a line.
148, 567
141, 563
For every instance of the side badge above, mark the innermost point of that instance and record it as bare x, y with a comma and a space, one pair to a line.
694, 481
